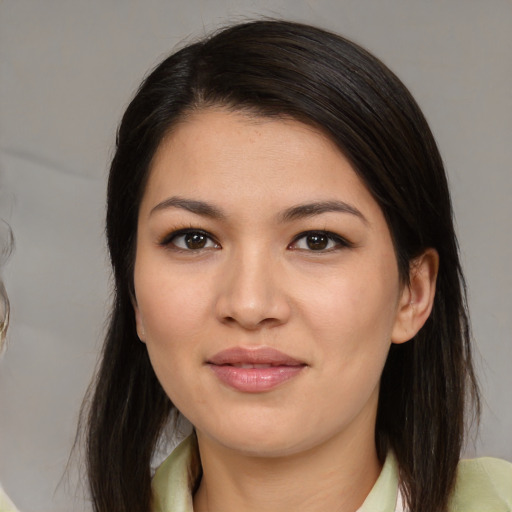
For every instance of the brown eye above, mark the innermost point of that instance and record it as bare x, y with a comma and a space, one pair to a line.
190, 240
195, 240
317, 242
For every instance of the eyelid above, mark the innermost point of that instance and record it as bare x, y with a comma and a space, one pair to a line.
167, 240
341, 241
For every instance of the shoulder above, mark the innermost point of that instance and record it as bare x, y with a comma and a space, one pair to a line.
483, 485
6, 504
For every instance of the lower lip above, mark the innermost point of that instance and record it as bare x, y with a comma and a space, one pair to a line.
255, 380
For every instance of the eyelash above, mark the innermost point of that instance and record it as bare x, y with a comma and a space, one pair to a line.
169, 240
338, 241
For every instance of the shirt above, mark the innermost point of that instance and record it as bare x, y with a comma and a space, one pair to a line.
6, 505
482, 485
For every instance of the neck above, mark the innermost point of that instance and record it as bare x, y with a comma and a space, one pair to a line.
334, 476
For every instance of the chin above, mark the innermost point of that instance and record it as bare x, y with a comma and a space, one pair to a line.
269, 448
262, 441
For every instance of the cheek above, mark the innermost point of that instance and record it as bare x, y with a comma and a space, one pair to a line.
354, 331
354, 302
173, 330
352, 315
173, 306
173, 310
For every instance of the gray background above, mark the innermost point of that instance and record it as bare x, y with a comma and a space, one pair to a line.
67, 71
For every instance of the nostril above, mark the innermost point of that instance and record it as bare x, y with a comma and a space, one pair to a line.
250, 301
251, 324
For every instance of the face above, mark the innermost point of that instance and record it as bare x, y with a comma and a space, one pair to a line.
266, 284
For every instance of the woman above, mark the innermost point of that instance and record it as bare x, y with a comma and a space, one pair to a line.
6, 242
287, 278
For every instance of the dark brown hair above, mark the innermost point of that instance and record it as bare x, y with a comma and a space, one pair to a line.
277, 68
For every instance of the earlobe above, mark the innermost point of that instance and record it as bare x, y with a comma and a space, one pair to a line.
141, 333
417, 297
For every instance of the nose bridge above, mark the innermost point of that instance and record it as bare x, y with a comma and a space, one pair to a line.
251, 293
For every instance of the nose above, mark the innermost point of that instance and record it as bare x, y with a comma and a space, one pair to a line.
252, 294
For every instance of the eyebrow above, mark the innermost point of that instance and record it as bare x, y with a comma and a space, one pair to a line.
198, 207
311, 209
300, 211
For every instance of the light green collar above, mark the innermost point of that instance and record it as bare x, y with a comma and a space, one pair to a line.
176, 479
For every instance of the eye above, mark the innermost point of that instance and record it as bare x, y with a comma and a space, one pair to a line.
319, 241
190, 240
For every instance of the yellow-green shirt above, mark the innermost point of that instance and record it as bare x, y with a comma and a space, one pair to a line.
483, 485
6, 505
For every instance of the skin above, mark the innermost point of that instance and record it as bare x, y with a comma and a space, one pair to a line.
307, 444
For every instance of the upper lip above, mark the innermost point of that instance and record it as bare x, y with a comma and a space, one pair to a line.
259, 355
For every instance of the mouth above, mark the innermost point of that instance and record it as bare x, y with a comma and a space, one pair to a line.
260, 365
254, 357
254, 370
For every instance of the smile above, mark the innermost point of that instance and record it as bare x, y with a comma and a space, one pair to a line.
254, 371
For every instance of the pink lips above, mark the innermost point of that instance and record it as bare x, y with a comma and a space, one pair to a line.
254, 370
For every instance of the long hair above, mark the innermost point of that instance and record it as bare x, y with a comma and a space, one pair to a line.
283, 69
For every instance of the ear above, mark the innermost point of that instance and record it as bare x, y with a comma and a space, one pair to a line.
139, 323
417, 297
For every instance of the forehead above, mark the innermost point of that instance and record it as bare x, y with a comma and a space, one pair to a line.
237, 157
216, 133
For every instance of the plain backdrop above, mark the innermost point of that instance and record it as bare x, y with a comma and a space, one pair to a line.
67, 71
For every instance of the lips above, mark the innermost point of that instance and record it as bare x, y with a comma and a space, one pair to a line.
254, 370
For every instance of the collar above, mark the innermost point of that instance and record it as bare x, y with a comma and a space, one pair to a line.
176, 478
